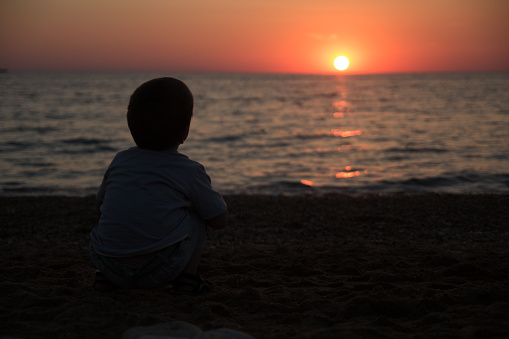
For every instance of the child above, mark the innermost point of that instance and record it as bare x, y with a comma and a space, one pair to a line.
155, 203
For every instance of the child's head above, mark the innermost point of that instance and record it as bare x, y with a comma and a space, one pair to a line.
159, 113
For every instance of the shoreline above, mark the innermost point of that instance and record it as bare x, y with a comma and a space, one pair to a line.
286, 267
311, 192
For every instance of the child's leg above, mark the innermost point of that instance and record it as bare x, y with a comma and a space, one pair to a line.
197, 235
102, 282
184, 260
189, 282
192, 265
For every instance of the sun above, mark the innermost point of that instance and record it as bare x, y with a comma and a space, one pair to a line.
341, 63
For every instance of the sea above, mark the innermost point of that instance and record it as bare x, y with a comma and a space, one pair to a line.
269, 134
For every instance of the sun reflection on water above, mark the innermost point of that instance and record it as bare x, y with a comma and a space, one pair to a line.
341, 105
306, 182
350, 174
341, 110
345, 134
347, 174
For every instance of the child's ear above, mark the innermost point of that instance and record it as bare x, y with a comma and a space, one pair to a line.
184, 135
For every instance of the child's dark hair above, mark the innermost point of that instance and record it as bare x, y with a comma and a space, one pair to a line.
159, 112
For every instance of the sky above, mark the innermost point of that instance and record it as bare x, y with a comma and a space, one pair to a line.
268, 36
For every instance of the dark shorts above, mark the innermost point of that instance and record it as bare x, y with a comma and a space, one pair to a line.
157, 271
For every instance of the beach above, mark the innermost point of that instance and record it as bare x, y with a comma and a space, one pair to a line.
396, 266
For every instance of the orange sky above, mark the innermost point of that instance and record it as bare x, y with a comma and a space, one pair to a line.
287, 36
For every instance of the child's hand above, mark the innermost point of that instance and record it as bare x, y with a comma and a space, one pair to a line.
221, 221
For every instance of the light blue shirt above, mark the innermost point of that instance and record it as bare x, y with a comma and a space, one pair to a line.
146, 200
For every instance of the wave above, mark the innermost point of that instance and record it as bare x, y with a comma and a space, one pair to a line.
457, 183
70, 146
24, 129
450, 182
85, 141
87, 150
416, 150
313, 135
85, 146
21, 190
226, 138
16, 145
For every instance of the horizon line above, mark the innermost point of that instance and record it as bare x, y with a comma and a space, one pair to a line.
337, 73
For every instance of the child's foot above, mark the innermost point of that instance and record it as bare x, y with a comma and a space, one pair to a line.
102, 284
191, 284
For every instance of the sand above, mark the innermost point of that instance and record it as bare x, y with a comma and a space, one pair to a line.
287, 267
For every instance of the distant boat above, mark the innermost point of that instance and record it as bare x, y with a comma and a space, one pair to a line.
3, 70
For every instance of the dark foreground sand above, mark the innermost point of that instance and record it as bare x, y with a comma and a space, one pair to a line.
400, 266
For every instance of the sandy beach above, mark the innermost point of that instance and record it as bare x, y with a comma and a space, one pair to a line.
424, 266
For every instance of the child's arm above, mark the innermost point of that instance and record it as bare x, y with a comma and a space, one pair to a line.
98, 205
221, 221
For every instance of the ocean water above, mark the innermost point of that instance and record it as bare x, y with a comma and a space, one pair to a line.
269, 134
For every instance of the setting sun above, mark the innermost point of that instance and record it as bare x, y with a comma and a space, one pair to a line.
341, 63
